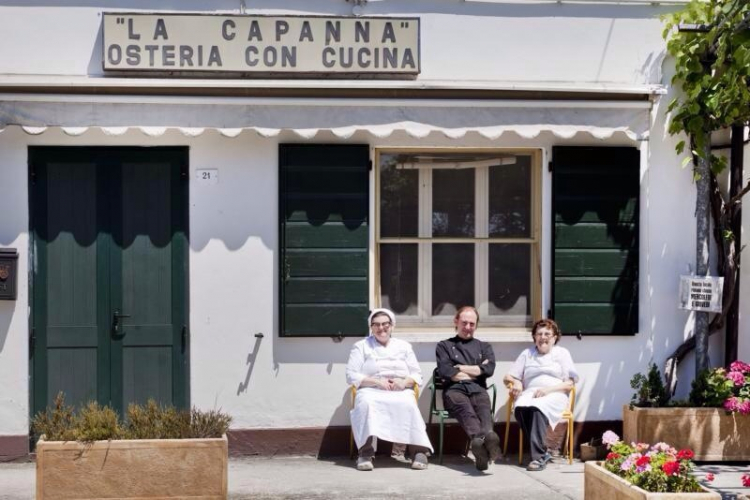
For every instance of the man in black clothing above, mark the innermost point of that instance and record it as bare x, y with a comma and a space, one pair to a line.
465, 363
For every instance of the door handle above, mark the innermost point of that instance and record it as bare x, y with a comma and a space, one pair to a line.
116, 316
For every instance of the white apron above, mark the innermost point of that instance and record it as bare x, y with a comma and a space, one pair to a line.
390, 415
537, 371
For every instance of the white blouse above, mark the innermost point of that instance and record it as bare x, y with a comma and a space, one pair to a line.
369, 358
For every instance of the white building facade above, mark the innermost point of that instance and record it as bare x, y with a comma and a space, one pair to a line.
210, 227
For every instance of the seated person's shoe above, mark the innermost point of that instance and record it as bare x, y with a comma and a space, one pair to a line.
481, 456
492, 443
364, 463
419, 462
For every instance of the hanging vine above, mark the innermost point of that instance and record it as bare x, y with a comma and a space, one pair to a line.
710, 43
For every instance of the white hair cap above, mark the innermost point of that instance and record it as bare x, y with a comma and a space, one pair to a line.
382, 310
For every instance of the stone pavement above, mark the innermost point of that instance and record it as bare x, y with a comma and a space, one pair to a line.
265, 478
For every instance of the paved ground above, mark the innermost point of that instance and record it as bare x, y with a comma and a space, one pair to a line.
457, 479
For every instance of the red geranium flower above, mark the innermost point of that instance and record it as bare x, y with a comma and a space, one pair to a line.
671, 468
685, 454
612, 455
643, 461
710, 477
746, 480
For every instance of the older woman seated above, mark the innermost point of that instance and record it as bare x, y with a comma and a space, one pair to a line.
385, 370
540, 381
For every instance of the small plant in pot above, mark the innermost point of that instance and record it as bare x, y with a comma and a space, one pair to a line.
155, 451
658, 468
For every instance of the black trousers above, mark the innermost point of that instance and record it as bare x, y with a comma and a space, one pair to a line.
473, 411
534, 425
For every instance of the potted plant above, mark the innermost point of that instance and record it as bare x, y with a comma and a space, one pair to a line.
642, 471
155, 452
715, 423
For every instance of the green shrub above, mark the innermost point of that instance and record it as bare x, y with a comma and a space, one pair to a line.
57, 423
97, 423
711, 388
649, 389
150, 421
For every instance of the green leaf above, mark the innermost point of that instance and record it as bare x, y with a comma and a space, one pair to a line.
680, 147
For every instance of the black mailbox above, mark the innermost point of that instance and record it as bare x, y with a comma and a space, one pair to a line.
8, 273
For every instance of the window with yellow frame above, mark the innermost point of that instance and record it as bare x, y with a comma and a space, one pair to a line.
458, 227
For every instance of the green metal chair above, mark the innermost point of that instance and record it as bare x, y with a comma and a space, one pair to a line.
436, 384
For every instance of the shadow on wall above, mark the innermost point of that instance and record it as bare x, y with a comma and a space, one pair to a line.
6, 313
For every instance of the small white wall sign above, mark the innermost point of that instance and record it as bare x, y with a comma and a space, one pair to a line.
701, 293
207, 176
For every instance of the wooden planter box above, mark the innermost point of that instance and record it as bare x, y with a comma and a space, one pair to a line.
600, 483
711, 433
148, 468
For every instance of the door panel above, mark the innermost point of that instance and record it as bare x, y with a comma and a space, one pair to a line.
69, 234
110, 239
146, 287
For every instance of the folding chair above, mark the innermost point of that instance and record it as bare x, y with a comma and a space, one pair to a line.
567, 415
353, 390
436, 384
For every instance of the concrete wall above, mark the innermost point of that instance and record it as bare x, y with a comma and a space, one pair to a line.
281, 382
511, 42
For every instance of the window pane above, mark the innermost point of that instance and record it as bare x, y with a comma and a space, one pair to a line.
453, 202
510, 283
510, 199
452, 278
399, 199
398, 278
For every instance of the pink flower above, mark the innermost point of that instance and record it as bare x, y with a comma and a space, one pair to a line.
744, 407
641, 447
746, 480
661, 447
732, 404
737, 377
739, 366
609, 438
710, 477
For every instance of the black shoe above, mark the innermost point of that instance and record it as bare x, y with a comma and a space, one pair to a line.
492, 443
481, 456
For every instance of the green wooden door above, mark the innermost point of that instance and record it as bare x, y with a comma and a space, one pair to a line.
109, 318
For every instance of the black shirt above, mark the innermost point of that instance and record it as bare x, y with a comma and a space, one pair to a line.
457, 351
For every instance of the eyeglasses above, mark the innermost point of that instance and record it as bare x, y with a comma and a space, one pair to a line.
384, 326
544, 334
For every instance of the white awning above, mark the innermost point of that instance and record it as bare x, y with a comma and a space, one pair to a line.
306, 117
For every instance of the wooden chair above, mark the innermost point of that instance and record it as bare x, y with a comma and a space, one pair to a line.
567, 415
436, 384
353, 390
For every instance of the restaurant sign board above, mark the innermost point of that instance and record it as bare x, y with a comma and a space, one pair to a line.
249, 44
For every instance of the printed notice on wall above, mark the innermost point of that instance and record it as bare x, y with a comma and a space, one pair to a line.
251, 44
701, 293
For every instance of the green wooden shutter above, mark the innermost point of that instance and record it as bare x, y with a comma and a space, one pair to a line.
595, 256
323, 239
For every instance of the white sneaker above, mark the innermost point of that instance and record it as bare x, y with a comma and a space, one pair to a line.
364, 464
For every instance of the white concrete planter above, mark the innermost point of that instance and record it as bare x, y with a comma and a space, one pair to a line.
599, 483
712, 433
148, 468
